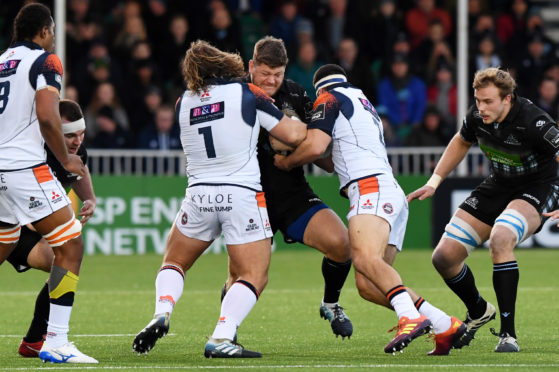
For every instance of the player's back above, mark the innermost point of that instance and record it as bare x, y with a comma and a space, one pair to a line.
219, 132
21, 142
358, 147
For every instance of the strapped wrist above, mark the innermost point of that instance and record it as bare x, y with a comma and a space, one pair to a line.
434, 181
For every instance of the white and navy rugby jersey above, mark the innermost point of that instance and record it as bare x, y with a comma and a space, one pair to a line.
219, 132
344, 113
24, 69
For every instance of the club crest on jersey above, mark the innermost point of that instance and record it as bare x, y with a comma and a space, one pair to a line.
252, 226
184, 219
388, 208
34, 203
9, 67
367, 105
202, 114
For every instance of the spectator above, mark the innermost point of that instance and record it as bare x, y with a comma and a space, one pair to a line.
403, 95
81, 29
513, 21
431, 131
548, 97
104, 96
109, 134
174, 47
432, 50
485, 24
532, 67
163, 134
390, 138
71, 93
419, 18
388, 22
224, 33
134, 30
284, 25
442, 94
302, 71
357, 70
486, 54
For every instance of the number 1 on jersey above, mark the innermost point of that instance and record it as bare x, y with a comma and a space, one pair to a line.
208, 141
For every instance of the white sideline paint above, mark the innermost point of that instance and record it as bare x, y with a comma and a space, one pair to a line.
294, 366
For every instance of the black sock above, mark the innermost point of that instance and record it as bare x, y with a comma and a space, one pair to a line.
38, 327
464, 285
335, 274
505, 283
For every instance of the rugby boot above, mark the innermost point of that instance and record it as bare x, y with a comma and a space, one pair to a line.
225, 348
507, 343
30, 349
472, 325
67, 353
340, 323
444, 341
408, 330
157, 328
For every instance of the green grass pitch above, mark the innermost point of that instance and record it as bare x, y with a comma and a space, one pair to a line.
115, 299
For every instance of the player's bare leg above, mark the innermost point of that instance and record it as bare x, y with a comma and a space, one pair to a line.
251, 262
327, 233
368, 235
180, 254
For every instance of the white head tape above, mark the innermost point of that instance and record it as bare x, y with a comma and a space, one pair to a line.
73, 126
329, 80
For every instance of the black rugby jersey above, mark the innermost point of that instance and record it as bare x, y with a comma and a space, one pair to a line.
278, 185
66, 178
523, 147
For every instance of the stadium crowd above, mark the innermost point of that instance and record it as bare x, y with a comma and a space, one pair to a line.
122, 60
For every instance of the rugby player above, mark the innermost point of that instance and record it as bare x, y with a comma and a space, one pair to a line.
293, 207
522, 144
32, 251
30, 78
220, 119
378, 209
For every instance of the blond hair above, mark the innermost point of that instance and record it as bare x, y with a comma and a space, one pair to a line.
500, 78
203, 61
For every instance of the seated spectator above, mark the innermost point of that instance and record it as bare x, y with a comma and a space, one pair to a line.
403, 95
431, 51
486, 54
358, 70
390, 138
512, 21
388, 22
109, 134
532, 67
548, 97
302, 71
134, 30
431, 132
104, 96
284, 25
224, 32
443, 94
418, 19
163, 134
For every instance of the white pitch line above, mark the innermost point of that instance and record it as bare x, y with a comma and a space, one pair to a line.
110, 335
294, 366
277, 291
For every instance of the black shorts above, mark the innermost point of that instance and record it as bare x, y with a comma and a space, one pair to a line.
27, 240
490, 199
284, 215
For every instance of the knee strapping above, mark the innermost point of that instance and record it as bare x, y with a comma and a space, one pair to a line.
60, 235
61, 282
515, 222
459, 230
10, 235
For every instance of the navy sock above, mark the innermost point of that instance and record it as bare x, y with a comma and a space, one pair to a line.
335, 274
505, 283
464, 285
38, 327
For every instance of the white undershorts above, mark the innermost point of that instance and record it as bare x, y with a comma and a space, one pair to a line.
28, 195
208, 210
383, 197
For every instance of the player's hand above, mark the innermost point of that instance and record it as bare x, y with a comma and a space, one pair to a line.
75, 165
421, 193
87, 210
554, 215
280, 162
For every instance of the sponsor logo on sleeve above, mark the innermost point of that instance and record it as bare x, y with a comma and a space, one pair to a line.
319, 112
9, 67
552, 136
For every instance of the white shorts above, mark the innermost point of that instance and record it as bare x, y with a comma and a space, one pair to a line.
240, 213
383, 197
28, 195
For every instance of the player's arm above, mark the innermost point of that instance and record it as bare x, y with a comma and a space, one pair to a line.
308, 151
84, 190
452, 156
290, 131
325, 163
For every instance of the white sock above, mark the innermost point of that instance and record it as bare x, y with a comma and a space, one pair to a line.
58, 327
440, 320
236, 305
403, 306
168, 288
